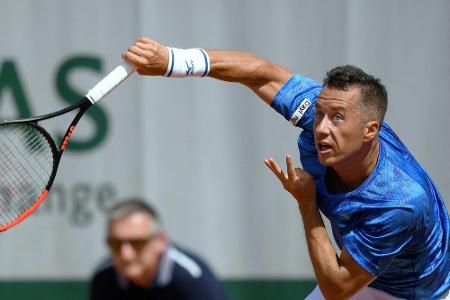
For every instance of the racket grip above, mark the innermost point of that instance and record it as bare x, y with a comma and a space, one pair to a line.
107, 84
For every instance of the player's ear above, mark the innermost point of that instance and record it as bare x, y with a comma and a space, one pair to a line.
371, 130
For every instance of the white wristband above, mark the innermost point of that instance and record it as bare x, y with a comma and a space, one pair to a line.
187, 62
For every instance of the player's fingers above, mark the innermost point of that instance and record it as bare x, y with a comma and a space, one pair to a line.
140, 45
145, 46
144, 39
276, 169
136, 50
275, 166
127, 55
290, 167
133, 58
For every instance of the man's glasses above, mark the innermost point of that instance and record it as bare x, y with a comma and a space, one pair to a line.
115, 244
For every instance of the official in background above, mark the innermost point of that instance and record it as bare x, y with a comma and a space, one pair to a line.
145, 264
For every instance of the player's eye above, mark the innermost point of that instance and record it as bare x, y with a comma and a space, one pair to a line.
338, 117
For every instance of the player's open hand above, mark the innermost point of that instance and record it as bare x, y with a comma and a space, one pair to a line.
148, 57
296, 181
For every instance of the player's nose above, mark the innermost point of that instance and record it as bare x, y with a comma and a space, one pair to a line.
322, 127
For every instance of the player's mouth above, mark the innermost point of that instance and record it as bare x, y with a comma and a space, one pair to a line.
324, 148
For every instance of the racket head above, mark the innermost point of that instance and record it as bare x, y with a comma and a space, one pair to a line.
28, 163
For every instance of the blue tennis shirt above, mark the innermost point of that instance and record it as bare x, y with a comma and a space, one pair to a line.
395, 224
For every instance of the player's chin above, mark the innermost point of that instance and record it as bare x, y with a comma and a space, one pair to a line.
326, 160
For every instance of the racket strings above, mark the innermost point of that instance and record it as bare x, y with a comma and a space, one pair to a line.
11, 192
35, 148
11, 158
9, 167
17, 193
26, 163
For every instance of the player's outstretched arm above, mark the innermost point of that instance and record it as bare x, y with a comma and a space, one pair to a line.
260, 75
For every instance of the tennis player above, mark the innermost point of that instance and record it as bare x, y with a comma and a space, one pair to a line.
388, 218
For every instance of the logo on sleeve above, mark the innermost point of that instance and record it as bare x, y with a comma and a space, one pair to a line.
298, 114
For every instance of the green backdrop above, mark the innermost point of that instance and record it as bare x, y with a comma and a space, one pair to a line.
78, 290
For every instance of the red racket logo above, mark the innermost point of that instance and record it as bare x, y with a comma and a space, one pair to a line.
67, 137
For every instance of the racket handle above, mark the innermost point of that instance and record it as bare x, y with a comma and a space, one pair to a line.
107, 84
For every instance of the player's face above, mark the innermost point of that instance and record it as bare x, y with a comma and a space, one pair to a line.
338, 130
136, 251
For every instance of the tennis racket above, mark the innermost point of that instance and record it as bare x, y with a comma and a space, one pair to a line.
29, 158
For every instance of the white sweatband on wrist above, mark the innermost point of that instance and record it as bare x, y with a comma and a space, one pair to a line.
187, 62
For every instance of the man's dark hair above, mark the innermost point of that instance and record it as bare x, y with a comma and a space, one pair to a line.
374, 98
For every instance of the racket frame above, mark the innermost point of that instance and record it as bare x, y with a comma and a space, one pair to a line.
57, 152
98, 92
83, 105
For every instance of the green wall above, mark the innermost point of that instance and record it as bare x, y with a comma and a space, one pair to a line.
77, 290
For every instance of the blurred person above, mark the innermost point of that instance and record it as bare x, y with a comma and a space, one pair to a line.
388, 218
145, 264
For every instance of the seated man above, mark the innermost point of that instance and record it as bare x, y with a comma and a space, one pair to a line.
145, 265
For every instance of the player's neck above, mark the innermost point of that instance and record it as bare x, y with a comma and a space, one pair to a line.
353, 172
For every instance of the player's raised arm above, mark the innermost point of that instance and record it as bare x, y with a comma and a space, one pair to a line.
260, 75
